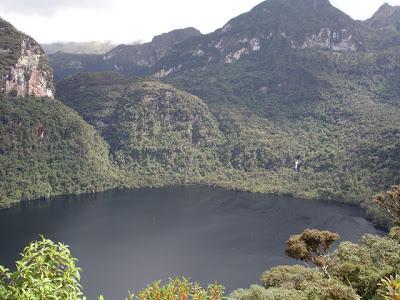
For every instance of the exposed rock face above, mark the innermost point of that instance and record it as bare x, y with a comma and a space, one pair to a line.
273, 26
334, 40
30, 76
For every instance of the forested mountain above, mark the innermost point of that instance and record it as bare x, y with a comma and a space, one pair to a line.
288, 81
293, 97
304, 81
131, 60
45, 148
296, 80
157, 134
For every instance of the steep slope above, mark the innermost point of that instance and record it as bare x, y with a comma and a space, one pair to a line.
24, 69
148, 54
270, 27
386, 16
46, 149
67, 64
131, 60
298, 80
291, 80
156, 133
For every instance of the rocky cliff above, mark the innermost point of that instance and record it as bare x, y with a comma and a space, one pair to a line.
24, 67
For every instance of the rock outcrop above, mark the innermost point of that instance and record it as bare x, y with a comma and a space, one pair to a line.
333, 40
30, 76
273, 26
24, 68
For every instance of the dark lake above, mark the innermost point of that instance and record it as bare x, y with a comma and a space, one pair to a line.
127, 239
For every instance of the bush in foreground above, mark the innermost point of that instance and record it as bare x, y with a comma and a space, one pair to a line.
46, 271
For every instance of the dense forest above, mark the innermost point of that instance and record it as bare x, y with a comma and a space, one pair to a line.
46, 149
236, 108
311, 89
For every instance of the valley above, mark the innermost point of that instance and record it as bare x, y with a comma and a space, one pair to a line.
284, 119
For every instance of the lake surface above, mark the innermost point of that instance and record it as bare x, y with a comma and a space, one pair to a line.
127, 239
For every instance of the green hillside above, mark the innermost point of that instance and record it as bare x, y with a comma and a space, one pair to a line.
157, 134
288, 81
46, 149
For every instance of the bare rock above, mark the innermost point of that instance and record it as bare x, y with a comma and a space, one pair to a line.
31, 75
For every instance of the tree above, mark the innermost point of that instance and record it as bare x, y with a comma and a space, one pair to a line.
312, 246
391, 203
363, 264
180, 289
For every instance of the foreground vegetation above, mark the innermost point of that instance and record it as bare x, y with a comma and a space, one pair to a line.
364, 270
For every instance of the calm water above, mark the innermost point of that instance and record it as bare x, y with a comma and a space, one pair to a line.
127, 239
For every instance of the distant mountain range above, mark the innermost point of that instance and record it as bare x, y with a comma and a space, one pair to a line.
305, 24
127, 59
290, 80
79, 48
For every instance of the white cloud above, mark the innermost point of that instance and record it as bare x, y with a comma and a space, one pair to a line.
38, 7
130, 20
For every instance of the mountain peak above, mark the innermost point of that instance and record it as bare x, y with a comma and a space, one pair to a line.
148, 54
175, 36
306, 4
387, 15
302, 23
308, 16
386, 10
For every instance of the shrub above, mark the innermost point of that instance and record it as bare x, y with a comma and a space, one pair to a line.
46, 271
180, 289
390, 288
311, 282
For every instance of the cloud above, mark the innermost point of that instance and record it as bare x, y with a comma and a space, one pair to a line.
123, 21
49, 7
361, 9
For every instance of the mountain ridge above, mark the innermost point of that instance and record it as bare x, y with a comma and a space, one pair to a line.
274, 93
126, 59
310, 25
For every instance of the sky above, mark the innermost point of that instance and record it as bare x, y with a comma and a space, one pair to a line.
124, 21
